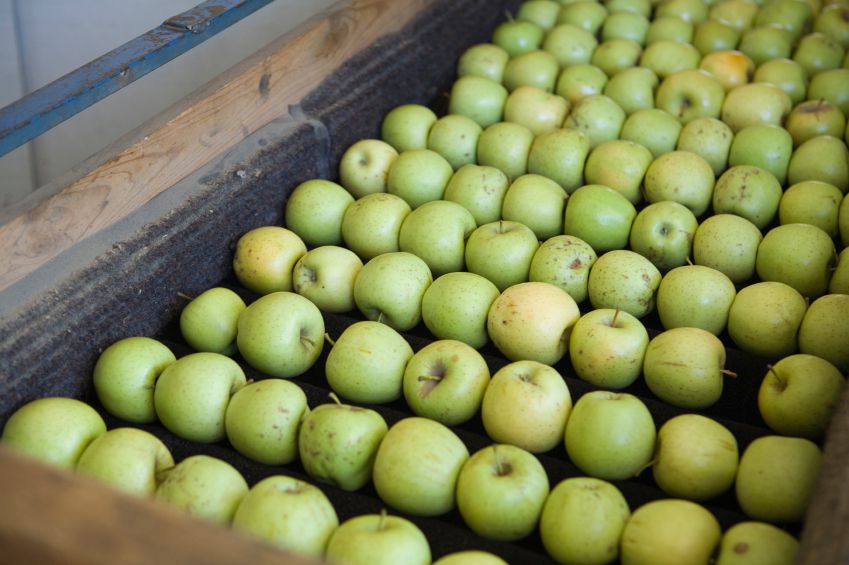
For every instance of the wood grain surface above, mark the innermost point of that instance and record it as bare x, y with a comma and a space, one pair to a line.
223, 113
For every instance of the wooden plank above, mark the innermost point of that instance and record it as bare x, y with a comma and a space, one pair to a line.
229, 109
55, 516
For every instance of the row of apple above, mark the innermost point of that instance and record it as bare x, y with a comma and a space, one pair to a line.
423, 468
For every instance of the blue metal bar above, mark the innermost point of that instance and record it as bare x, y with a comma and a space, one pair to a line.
54, 103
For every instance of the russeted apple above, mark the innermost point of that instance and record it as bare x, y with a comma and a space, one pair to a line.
748, 191
564, 261
751, 542
625, 280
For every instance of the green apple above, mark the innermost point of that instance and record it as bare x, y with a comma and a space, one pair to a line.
538, 110
625, 280
822, 158
764, 319
666, 57
776, 477
337, 444
800, 255
831, 85
818, 52
281, 334
620, 165
372, 223
663, 233
598, 116
689, 94
417, 465
576, 81
484, 60
767, 146
378, 539
407, 126
669, 531
642, 7
418, 176
363, 168
730, 67
632, 89
537, 68
514, 387
288, 513
617, 54
570, 44
314, 211
455, 137
711, 36
479, 98
729, 244
263, 420
843, 220
125, 374
436, 232
390, 288
564, 261
455, 306
831, 20
695, 296
750, 543
541, 12
470, 556
656, 129
128, 459
536, 201
532, 320
755, 103
710, 138
748, 191
824, 332
786, 74
766, 42
325, 275
625, 25
445, 381
682, 177
192, 394
479, 189
203, 486
54, 430
501, 252
505, 146
791, 15
582, 521
799, 394
610, 435
811, 202
501, 490
606, 348
264, 259
209, 321
366, 363
685, 366
560, 155
670, 28
688, 10
518, 36
739, 14
599, 215
839, 283
587, 15
812, 118
696, 458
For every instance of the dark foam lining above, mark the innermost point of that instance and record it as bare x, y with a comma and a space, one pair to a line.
50, 345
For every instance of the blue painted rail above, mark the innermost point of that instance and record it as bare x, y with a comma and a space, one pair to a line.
54, 103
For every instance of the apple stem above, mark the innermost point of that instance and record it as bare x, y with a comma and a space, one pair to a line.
689, 262
772, 370
379, 318
499, 466
615, 318
728, 373
335, 398
644, 467
381, 524
162, 474
185, 296
508, 15
329, 339
429, 378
